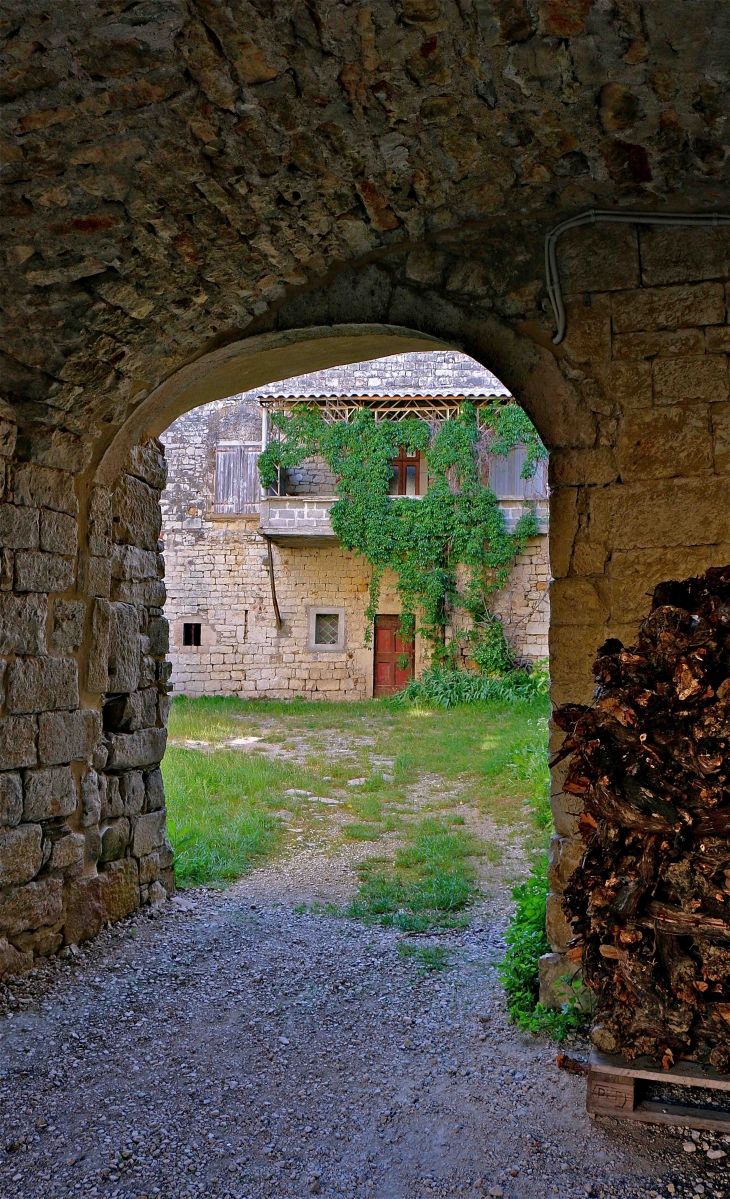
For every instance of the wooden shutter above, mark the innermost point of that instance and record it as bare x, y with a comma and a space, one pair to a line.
505, 479
237, 487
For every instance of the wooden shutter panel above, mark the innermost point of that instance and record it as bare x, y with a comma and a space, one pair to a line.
237, 488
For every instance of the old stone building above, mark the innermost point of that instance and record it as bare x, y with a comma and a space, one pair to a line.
218, 526
200, 200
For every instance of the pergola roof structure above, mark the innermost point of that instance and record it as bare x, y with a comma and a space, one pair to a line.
383, 407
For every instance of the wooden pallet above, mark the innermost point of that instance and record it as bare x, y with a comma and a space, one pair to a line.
616, 1087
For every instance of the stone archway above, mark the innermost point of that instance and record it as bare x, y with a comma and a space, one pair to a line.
633, 405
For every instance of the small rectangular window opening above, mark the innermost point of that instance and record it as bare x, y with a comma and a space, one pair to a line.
326, 628
191, 634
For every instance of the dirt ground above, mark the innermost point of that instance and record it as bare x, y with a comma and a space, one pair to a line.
235, 1045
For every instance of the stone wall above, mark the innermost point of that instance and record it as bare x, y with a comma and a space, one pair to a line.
82, 819
217, 576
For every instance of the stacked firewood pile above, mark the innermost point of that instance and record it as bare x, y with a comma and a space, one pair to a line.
650, 902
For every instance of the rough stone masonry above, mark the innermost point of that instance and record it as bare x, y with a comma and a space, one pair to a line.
188, 189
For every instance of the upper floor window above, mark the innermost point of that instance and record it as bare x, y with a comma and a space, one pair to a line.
237, 486
505, 476
405, 474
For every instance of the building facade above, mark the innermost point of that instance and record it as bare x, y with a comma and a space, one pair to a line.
263, 601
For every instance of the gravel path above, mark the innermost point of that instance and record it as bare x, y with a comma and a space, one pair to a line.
232, 1045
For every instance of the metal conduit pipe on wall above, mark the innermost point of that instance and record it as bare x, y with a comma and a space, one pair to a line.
702, 220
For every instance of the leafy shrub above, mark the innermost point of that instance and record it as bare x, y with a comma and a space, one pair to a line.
446, 688
519, 971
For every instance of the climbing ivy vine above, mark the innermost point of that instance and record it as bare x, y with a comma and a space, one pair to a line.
457, 521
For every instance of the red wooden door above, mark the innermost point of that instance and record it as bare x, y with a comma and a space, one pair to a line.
390, 650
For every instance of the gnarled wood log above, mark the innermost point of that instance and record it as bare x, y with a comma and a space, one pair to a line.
650, 901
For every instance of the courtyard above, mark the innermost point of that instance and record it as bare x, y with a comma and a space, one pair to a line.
294, 1022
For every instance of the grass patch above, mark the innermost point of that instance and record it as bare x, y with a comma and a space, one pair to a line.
429, 885
219, 811
527, 941
430, 957
490, 754
363, 832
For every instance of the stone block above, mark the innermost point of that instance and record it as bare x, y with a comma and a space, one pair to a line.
579, 468
680, 307
156, 894
90, 799
23, 624
683, 255
114, 839
18, 741
129, 563
92, 845
566, 810
677, 380
720, 417
556, 973
136, 516
110, 795
59, 533
41, 942
149, 833
21, 853
84, 911
631, 384
588, 336
30, 906
665, 344
659, 443
48, 793
119, 889
97, 679
18, 527
99, 539
564, 521
67, 736
11, 799
149, 868
147, 462
559, 932
68, 625
95, 575
132, 791
13, 961
665, 512
67, 855
42, 684
37, 571
565, 855
124, 648
717, 339
130, 750
603, 255
158, 632
42, 487
576, 601
635, 573
154, 790
127, 713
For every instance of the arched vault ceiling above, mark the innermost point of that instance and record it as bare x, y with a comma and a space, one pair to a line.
175, 172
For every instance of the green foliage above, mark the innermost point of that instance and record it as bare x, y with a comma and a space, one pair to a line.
219, 811
446, 688
511, 427
530, 765
527, 941
430, 882
457, 521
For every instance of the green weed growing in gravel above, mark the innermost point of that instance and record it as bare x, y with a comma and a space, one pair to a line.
429, 885
527, 941
431, 957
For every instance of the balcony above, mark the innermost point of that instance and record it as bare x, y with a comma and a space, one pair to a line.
291, 520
